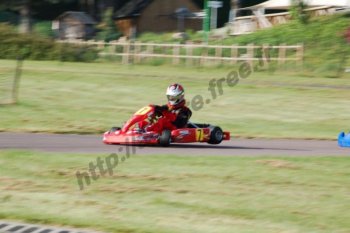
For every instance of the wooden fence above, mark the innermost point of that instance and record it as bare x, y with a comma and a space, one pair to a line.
197, 54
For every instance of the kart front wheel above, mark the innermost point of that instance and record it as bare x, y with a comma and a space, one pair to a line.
216, 135
165, 138
113, 129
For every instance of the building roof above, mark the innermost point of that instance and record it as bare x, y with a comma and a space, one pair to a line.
81, 16
285, 4
131, 9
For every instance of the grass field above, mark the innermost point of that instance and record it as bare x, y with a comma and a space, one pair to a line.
179, 193
91, 97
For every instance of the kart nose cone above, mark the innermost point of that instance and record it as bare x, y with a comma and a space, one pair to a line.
344, 139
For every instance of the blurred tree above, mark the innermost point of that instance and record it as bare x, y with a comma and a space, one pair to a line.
25, 23
49, 10
297, 11
102, 6
25, 10
108, 29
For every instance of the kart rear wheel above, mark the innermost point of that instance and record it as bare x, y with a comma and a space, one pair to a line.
165, 138
216, 135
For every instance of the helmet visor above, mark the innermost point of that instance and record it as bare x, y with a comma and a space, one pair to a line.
173, 98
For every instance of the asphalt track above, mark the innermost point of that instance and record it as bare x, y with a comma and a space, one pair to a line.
69, 143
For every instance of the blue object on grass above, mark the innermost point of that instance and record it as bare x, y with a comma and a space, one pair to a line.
344, 139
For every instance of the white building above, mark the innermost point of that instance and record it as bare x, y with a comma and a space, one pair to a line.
260, 20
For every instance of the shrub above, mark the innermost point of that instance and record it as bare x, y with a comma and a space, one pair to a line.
108, 30
43, 28
36, 47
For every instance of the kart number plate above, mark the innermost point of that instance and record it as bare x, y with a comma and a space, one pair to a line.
199, 135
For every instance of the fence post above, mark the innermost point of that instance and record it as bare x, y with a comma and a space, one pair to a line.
250, 53
204, 55
234, 53
300, 55
176, 54
218, 55
132, 52
126, 51
137, 53
101, 45
189, 53
112, 47
149, 51
265, 55
282, 54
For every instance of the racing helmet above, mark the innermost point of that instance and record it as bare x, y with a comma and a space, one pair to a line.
176, 95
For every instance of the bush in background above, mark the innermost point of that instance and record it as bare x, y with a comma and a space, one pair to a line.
297, 11
108, 29
36, 47
8, 17
43, 28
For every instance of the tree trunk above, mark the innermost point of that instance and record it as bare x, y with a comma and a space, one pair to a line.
26, 22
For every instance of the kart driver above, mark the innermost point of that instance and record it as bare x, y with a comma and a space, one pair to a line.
174, 114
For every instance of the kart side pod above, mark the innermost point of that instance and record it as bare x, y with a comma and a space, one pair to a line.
344, 139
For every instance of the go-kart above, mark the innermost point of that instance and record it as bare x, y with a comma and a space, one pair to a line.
130, 133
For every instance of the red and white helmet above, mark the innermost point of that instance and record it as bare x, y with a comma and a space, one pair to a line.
176, 95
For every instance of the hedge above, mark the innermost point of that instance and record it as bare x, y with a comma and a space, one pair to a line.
35, 47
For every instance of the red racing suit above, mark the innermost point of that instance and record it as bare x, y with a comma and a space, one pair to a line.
167, 117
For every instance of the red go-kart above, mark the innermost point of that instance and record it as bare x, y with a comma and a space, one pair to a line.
130, 133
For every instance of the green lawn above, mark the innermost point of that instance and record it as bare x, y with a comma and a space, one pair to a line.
91, 97
165, 193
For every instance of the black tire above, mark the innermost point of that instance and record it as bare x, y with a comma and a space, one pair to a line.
165, 138
216, 135
113, 129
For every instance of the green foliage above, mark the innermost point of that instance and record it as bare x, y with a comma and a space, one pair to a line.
322, 38
36, 47
9, 17
108, 30
298, 12
156, 37
43, 28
